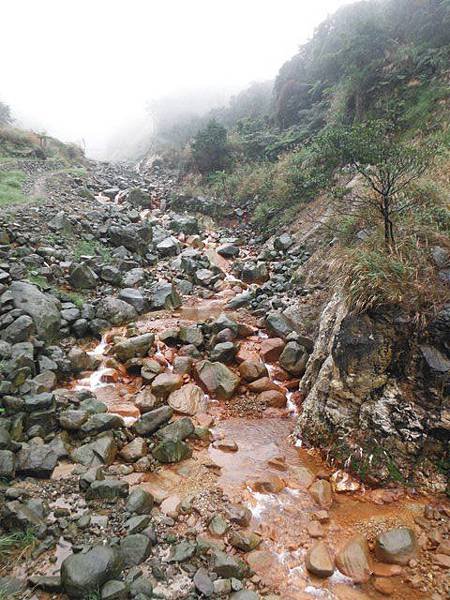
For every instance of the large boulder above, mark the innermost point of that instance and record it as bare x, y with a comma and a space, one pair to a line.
396, 546
353, 559
82, 277
116, 311
319, 561
38, 460
138, 345
42, 308
151, 421
188, 400
217, 379
85, 573
168, 247
134, 237
294, 358
138, 198
164, 295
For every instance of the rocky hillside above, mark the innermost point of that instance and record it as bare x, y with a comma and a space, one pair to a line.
150, 371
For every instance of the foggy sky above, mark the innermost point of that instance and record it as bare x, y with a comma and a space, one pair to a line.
86, 68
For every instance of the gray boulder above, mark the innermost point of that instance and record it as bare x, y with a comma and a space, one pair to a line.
42, 308
85, 573
82, 277
164, 295
116, 311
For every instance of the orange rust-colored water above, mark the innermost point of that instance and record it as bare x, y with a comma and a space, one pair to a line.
266, 453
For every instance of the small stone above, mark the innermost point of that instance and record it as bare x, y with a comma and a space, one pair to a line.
318, 560
384, 586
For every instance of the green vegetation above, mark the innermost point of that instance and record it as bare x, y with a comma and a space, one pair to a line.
386, 165
210, 149
11, 187
364, 101
17, 545
38, 280
91, 248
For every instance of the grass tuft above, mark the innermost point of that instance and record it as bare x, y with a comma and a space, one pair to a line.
11, 187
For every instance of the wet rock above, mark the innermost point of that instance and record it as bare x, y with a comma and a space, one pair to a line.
252, 369
72, 420
7, 464
396, 546
217, 379
138, 198
134, 549
114, 590
226, 565
321, 493
283, 242
165, 383
191, 335
303, 476
134, 346
203, 582
48, 584
101, 451
228, 250
179, 430
245, 540
141, 587
85, 573
151, 421
140, 502
353, 560
169, 451
168, 247
240, 514
272, 348
37, 461
182, 551
19, 330
164, 295
102, 422
383, 586
318, 560
42, 308
109, 489
145, 400
80, 360
188, 400
82, 277
224, 352
278, 325
116, 311
272, 398
293, 359
134, 450
134, 298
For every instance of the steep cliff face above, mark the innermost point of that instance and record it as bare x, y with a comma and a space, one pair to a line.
376, 394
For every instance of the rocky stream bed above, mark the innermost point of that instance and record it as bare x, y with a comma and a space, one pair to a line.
149, 445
